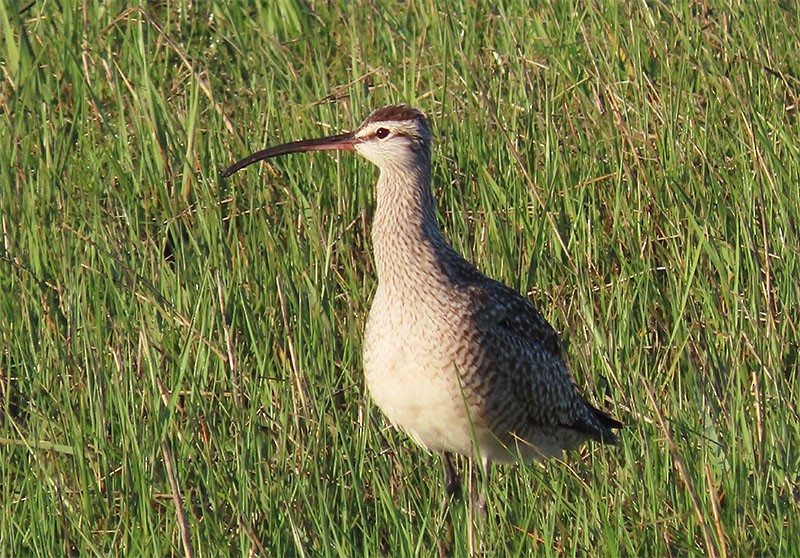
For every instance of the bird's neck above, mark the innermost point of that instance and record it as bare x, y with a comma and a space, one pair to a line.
406, 237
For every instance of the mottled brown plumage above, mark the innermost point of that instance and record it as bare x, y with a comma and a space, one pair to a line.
459, 361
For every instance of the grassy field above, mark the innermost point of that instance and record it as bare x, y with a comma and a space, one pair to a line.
174, 345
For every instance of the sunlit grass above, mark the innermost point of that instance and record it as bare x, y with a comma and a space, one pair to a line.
634, 170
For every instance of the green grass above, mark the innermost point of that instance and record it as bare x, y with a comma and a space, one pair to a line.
634, 169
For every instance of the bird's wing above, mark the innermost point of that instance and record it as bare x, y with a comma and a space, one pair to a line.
510, 313
527, 349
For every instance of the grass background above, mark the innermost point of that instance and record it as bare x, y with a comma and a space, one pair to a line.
634, 168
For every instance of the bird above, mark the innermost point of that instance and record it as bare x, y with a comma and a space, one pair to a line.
460, 362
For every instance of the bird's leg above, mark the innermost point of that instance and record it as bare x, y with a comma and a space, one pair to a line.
452, 488
481, 497
478, 509
452, 484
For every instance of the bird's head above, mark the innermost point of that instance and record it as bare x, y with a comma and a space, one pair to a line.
392, 136
396, 135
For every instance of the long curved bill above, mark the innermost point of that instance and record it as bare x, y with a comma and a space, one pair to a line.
342, 142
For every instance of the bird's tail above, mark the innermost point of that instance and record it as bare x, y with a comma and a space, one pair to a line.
599, 426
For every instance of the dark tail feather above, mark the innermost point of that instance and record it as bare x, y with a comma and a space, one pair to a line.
599, 426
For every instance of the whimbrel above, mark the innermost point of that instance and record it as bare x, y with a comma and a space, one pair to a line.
460, 362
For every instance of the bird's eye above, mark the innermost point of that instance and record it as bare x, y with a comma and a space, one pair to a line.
381, 133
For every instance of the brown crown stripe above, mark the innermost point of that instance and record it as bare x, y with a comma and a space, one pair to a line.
394, 113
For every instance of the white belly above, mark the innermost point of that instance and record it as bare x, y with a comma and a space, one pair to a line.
414, 382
